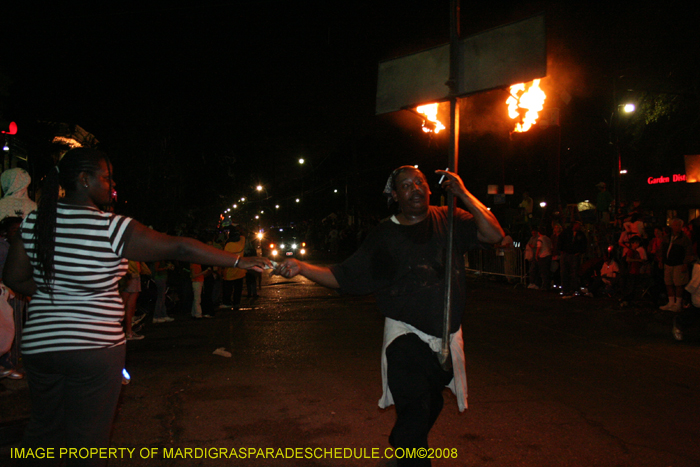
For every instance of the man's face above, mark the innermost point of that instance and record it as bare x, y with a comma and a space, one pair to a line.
412, 192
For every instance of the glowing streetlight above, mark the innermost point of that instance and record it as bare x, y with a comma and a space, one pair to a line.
301, 161
259, 188
543, 204
628, 108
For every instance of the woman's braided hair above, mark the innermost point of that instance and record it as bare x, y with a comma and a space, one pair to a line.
65, 175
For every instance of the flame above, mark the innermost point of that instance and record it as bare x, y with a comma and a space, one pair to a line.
430, 111
525, 103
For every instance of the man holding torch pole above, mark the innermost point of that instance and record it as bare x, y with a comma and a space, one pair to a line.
402, 262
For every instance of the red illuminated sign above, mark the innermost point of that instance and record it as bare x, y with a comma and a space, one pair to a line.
662, 179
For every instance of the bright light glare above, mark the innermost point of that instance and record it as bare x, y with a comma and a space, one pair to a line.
629, 108
301, 160
543, 204
259, 187
623, 171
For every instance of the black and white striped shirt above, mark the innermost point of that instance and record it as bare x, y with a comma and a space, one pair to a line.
84, 309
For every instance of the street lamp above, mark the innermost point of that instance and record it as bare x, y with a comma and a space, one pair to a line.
627, 108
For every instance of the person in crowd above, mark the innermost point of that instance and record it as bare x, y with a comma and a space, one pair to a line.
130, 296
635, 257
402, 262
603, 202
638, 223
526, 206
9, 362
233, 277
572, 245
556, 253
69, 257
630, 230
531, 258
198, 274
543, 257
211, 277
8, 228
677, 256
656, 260
687, 317
251, 277
507, 249
15, 201
160, 277
607, 282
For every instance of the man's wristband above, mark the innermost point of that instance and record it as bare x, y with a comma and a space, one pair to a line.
237, 260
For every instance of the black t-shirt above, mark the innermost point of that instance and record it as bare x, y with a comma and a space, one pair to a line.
404, 267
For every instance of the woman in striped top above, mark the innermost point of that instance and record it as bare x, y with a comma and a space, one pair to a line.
69, 258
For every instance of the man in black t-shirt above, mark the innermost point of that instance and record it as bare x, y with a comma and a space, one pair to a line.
402, 262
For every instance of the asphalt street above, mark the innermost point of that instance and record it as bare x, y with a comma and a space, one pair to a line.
552, 382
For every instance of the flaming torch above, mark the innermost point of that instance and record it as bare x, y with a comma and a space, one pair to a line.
525, 103
430, 122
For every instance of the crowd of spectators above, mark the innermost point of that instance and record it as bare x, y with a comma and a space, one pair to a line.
633, 257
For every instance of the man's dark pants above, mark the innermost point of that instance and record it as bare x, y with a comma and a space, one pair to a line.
416, 381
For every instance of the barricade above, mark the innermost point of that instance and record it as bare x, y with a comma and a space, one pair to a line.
504, 262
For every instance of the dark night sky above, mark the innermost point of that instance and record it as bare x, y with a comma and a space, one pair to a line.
254, 85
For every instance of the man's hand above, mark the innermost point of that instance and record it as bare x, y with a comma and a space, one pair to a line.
453, 183
289, 268
488, 228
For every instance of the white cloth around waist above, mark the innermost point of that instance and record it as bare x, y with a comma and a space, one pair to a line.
458, 385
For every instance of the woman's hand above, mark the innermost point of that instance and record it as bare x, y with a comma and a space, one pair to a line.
255, 263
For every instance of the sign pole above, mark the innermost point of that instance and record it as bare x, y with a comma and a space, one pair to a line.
453, 160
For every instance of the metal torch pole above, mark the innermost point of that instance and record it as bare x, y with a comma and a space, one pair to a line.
453, 156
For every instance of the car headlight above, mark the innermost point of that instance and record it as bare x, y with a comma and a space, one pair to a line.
294, 246
274, 252
281, 246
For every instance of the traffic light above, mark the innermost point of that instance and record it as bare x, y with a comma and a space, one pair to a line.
8, 128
